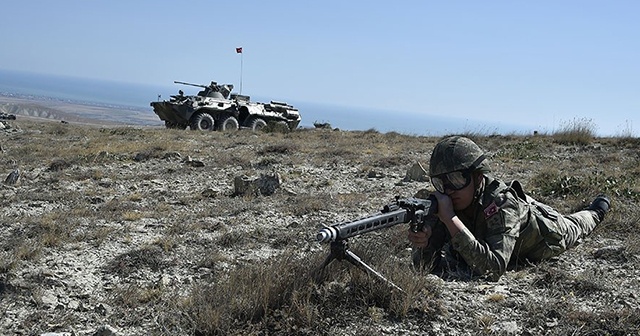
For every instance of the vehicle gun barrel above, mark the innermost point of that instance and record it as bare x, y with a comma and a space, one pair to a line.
190, 84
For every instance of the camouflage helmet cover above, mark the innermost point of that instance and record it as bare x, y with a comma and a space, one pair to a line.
454, 153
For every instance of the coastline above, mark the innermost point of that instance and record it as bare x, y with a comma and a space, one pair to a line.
76, 112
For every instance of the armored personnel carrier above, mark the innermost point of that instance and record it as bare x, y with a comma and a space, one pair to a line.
216, 108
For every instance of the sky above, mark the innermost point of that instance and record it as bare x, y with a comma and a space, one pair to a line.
542, 63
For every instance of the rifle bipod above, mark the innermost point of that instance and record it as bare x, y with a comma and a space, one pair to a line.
340, 251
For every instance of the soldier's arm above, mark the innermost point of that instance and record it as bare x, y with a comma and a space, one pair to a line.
425, 255
491, 253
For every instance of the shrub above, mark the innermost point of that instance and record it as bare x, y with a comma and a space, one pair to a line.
576, 132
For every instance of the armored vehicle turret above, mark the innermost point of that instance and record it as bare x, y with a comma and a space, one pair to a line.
216, 108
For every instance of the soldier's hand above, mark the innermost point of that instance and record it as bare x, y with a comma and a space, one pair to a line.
420, 239
445, 206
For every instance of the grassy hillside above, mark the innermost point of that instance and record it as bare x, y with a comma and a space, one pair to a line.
140, 229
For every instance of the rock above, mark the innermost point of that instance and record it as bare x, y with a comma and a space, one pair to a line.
73, 305
416, 173
13, 177
103, 309
96, 200
58, 165
422, 193
374, 174
211, 193
141, 157
49, 300
290, 192
105, 330
242, 185
264, 185
102, 155
170, 156
506, 328
611, 253
193, 163
196, 163
105, 183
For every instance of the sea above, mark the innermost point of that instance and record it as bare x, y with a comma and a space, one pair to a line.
136, 98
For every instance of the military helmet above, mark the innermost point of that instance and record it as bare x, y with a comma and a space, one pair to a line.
455, 153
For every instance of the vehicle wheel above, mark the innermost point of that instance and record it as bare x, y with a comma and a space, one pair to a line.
203, 122
229, 123
281, 126
257, 124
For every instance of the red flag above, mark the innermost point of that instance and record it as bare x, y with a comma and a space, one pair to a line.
239, 50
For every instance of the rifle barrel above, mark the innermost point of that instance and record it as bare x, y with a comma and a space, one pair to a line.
345, 230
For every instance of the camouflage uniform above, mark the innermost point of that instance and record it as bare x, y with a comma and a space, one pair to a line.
506, 225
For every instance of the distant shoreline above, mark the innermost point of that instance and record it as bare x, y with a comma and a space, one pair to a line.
49, 108
42, 98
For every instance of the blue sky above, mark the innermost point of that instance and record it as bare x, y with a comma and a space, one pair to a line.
536, 63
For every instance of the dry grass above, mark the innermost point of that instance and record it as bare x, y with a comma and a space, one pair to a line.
576, 132
245, 293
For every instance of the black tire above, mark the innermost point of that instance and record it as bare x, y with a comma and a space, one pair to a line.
228, 124
281, 126
203, 122
257, 124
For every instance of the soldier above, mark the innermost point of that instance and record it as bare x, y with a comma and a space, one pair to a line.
484, 224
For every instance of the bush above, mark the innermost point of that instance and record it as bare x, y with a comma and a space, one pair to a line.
576, 132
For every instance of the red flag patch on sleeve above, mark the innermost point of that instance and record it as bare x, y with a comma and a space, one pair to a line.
491, 210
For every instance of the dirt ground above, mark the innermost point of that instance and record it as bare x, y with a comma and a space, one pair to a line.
122, 226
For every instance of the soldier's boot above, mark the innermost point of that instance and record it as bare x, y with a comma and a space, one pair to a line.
600, 205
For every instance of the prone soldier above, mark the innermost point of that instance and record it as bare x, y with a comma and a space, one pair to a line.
484, 224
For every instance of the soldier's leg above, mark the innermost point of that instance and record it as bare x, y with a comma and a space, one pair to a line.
580, 224
577, 226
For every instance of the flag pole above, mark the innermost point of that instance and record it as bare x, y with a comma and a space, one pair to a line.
239, 51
